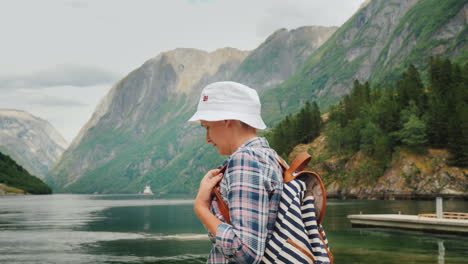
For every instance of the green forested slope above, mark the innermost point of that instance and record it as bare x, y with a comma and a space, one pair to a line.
395, 139
13, 175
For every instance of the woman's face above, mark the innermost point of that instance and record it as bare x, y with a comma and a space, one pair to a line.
216, 134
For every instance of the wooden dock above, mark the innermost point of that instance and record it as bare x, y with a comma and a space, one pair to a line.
448, 215
415, 222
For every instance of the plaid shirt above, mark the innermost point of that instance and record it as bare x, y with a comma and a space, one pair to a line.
251, 187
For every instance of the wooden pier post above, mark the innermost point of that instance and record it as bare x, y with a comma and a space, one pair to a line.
439, 209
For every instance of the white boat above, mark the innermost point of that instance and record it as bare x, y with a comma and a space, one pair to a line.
147, 190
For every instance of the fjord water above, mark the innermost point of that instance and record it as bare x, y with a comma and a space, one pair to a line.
143, 229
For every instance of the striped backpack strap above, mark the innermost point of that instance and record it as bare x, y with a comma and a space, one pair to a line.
298, 235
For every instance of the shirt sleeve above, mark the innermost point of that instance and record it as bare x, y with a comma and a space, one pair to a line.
214, 210
248, 200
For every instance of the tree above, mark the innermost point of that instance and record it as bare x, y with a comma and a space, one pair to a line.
410, 87
334, 136
388, 116
458, 120
316, 121
413, 132
440, 74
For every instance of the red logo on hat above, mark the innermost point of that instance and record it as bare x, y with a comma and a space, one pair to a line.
205, 98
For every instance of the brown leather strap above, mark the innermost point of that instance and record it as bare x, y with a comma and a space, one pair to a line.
307, 253
221, 204
282, 163
330, 256
324, 199
298, 164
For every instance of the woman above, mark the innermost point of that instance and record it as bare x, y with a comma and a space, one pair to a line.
252, 182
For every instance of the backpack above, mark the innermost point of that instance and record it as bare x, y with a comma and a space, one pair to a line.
298, 235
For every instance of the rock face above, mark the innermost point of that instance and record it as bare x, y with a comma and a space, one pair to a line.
173, 73
32, 142
280, 55
139, 125
423, 174
409, 175
376, 44
139, 135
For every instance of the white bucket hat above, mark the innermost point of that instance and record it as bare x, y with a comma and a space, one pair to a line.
229, 100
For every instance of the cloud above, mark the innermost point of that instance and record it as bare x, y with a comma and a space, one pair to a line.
195, 2
50, 101
283, 14
61, 75
78, 4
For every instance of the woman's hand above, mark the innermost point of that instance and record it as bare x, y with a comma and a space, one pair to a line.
209, 181
203, 200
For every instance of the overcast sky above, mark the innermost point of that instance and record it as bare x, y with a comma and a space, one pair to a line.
59, 58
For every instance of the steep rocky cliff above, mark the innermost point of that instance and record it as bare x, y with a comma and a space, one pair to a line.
376, 44
139, 135
32, 142
139, 126
280, 55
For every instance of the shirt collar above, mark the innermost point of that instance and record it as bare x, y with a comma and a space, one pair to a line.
255, 142
260, 142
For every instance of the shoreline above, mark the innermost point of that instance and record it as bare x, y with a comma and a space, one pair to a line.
396, 196
6, 190
333, 196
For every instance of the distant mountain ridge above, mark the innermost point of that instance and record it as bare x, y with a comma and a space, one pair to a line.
31, 141
378, 43
279, 56
139, 133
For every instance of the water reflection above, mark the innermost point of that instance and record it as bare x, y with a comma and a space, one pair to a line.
386, 245
146, 219
132, 229
440, 245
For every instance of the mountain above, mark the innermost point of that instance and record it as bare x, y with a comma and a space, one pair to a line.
378, 43
279, 56
140, 127
139, 133
31, 141
15, 179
